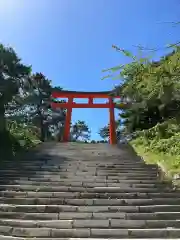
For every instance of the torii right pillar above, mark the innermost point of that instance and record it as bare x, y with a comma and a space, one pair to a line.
112, 127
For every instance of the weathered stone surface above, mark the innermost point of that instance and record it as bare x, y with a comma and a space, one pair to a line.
93, 209
173, 233
6, 230
29, 216
2, 237
91, 223
31, 232
163, 223
146, 233
140, 216
130, 209
121, 223
160, 208
108, 215
79, 202
107, 202
56, 224
109, 233
68, 233
75, 215
18, 223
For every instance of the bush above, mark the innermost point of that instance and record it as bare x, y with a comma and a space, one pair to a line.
17, 138
163, 138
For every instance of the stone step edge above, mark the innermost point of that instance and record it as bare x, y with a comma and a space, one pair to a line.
60, 166
141, 194
90, 232
83, 223
2, 237
87, 194
106, 189
97, 201
68, 169
145, 216
82, 183
109, 181
77, 206
55, 208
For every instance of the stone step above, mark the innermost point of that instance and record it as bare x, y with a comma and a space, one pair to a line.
45, 232
90, 202
78, 178
143, 168
121, 189
103, 163
70, 180
80, 168
91, 215
70, 208
3, 237
82, 164
46, 167
100, 183
62, 195
136, 177
83, 174
67, 184
159, 208
121, 202
76, 192
86, 167
86, 184
75, 173
90, 163
91, 223
90, 195
78, 173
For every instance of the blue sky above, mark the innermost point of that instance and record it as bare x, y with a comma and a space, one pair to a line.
70, 40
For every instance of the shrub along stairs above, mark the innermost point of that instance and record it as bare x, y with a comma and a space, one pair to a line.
70, 191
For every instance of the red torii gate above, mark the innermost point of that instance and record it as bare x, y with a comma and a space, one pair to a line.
90, 95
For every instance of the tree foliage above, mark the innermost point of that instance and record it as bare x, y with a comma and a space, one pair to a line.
152, 88
80, 131
25, 112
12, 75
104, 131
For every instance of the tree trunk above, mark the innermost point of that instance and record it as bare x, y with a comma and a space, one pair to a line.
42, 136
2, 119
7, 140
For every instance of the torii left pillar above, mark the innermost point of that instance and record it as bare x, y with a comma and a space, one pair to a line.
68, 120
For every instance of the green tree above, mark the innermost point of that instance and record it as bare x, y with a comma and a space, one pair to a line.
80, 130
35, 108
152, 89
12, 75
104, 131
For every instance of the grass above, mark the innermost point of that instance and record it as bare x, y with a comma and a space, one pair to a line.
169, 164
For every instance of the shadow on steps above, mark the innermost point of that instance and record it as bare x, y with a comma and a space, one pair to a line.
27, 165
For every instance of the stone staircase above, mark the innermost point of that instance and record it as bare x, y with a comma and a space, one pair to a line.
79, 191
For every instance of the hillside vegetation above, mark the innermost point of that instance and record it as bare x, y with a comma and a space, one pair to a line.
152, 91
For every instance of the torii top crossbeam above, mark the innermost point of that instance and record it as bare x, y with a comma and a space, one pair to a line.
78, 94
